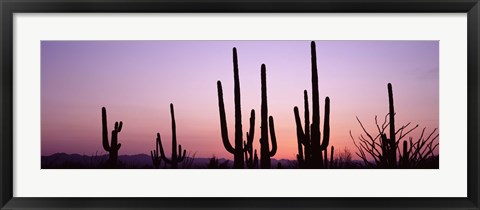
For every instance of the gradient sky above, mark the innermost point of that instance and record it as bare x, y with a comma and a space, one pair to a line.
137, 80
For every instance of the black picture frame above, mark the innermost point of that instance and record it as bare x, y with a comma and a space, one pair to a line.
9, 7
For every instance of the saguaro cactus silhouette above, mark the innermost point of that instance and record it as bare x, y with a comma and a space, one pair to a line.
175, 159
155, 154
389, 145
238, 150
113, 147
310, 147
265, 152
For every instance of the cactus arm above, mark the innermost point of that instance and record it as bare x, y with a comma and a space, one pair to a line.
162, 152
118, 127
223, 120
325, 158
326, 125
300, 161
247, 152
300, 135
157, 145
153, 157
307, 118
273, 137
181, 157
255, 160
184, 155
251, 132
105, 143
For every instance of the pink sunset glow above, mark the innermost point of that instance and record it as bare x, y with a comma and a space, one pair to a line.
137, 80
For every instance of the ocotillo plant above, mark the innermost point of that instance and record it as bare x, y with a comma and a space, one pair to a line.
155, 154
310, 147
238, 150
265, 152
113, 147
175, 159
383, 150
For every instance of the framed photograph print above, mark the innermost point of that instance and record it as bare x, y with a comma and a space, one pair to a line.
258, 104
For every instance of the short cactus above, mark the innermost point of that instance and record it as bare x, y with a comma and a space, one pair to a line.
156, 158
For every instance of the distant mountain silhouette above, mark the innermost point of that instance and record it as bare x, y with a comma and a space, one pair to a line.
72, 161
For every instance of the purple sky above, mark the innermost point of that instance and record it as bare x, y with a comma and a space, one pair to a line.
137, 80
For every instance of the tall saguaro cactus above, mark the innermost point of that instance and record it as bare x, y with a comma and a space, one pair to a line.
389, 146
311, 150
113, 147
238, 150
265, 152
175, 159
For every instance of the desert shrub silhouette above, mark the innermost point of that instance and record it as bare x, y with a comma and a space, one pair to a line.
344, 160
214, 163
187, 163
312, 153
